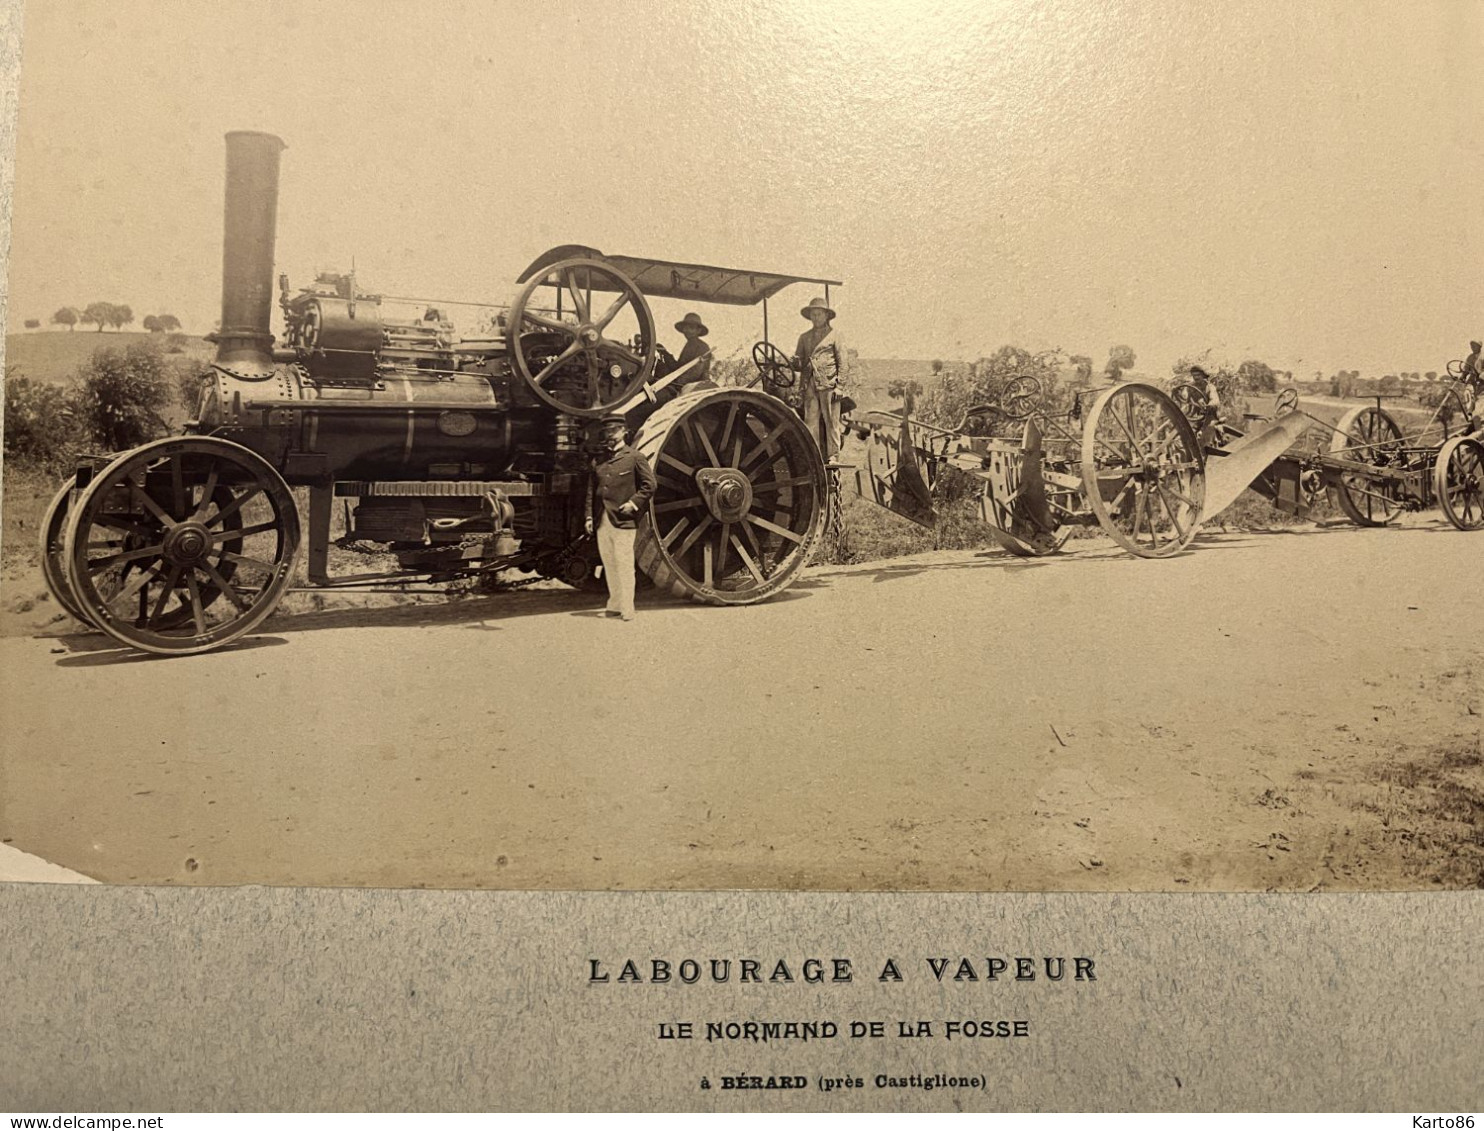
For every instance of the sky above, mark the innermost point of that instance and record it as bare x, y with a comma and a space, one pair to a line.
1301, 183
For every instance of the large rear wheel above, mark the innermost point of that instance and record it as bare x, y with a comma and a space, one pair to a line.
741, 499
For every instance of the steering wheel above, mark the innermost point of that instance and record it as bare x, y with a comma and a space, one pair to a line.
774, 365
1190, 400
1021, 397
1287, 401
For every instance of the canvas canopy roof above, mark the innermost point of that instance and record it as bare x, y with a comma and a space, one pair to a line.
660, 278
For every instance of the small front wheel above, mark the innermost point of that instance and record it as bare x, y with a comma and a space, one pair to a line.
182, 545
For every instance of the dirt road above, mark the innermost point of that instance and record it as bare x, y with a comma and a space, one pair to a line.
1285, 710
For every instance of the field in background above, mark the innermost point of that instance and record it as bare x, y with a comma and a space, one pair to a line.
55, 356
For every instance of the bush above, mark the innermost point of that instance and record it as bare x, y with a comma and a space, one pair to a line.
121, 394
40, 425
188, 386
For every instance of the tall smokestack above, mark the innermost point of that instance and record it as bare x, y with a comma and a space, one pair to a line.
244, 342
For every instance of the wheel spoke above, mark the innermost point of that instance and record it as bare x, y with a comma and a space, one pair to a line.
165, 593
721, 549
198, 611
232, 535
98, 565
1136, 451
244, 560
150, 505
177, 488
207, 491
679, 504
752, 566
726, 434
1184, 498
708, 576
612, 312
235, 505
764, 444
561, 359
700, 433
115, 522
781, 531
141, 579
684, 469
225, 586
690, 539
579, 302
1170, 510
675, 532
546, 323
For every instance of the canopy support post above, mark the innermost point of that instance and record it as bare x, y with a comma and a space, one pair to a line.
765, 320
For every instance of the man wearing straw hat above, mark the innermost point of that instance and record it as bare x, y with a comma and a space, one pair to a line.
821, 361
694, 350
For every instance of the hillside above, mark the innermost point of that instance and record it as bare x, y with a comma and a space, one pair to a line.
55, 355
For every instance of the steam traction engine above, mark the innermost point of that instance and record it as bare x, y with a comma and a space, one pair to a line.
464, 457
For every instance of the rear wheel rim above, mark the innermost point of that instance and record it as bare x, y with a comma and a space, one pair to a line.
741, 498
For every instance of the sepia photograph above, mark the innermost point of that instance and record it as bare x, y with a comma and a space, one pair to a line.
776, 447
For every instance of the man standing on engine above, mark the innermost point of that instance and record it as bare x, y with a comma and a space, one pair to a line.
623, 483
821, 361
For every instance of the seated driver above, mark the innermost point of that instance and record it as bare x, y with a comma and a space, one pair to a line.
698, 375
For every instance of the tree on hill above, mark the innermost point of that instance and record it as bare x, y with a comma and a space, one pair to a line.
152, 324
169, 323
98, 314
120, 316
1120, 358
33, 323
68, 316
1257, 377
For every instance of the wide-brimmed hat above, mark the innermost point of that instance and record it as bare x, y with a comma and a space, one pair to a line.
1475, 345
817, 304
1196, 371
692, 321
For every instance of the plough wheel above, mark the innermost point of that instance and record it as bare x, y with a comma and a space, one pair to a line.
181, 545
1458, 482
1142, 470
741, 499
1370, 436
53, 551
